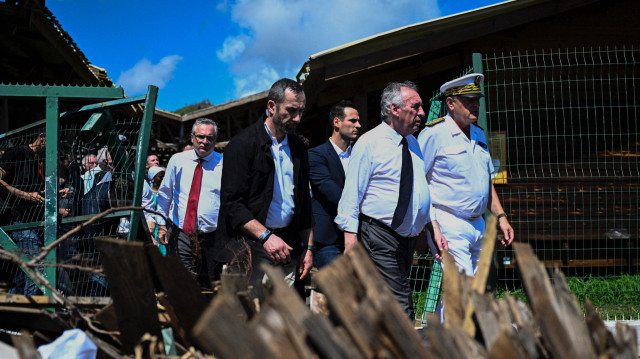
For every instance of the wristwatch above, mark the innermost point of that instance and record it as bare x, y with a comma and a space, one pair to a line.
264, 236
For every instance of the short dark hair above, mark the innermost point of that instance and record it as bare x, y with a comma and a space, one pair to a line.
277, 90
338, 110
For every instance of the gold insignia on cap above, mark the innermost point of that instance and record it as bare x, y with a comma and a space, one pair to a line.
467, 85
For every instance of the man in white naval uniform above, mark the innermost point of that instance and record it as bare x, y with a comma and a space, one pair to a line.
458, 168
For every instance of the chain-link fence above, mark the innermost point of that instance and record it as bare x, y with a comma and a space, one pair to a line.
97, 153
563, 126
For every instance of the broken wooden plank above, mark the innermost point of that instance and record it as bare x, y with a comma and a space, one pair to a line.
25, 346
220, 332
344, 293
482, 273
42, 301
181, 290
600, 336
126, 266
556, 333
107, 318
359, 299
452, 297
507, 345
105, 350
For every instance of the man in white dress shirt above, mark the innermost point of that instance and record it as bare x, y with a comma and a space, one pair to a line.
458, 168
190, 196
385, 201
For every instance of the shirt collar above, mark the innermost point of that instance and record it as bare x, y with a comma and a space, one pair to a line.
274, 140
194, 156
341, 153
453, 126
391, 133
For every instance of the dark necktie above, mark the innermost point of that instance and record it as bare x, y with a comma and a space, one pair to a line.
406, 186
189, 224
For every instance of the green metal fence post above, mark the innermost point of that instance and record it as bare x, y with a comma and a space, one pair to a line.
477, 68
141, 158
51, 188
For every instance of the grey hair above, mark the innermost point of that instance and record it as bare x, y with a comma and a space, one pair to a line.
392, 94
86, 159
205, 121
102, 154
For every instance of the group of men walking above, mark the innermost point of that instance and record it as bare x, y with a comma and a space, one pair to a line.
268, 200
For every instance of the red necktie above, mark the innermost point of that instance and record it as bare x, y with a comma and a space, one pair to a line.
189, 224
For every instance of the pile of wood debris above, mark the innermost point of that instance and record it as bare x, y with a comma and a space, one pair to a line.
150, 292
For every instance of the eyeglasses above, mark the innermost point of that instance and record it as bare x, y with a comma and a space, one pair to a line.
203, 137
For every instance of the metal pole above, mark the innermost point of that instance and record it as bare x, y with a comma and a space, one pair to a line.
51, 187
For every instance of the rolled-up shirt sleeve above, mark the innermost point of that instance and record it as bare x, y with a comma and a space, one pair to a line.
165, 193
355, 186
147, 201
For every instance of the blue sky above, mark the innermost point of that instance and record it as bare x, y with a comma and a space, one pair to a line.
226, 49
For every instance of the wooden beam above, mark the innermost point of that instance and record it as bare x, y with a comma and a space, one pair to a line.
41, 301
182, 291
127, 270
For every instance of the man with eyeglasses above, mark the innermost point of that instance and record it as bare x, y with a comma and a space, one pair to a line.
265, 214
190, 197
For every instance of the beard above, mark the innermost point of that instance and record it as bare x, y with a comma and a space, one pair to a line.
288, 127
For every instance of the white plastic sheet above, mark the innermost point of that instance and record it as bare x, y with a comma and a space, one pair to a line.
73, 343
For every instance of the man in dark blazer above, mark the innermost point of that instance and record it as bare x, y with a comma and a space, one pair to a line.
328, 165
265, 210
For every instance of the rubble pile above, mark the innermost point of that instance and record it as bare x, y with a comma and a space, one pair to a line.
151, 293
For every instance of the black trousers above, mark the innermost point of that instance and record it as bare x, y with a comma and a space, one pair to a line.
196, 252
392, 254
249, 260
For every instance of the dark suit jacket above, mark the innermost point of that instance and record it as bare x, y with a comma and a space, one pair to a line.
327, 180
246, 191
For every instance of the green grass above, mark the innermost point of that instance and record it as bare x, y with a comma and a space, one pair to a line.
419, 298
615, 297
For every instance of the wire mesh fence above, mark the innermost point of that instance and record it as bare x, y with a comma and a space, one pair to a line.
563, 127
95, 173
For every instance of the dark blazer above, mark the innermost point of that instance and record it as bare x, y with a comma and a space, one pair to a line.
327, 180
246, 191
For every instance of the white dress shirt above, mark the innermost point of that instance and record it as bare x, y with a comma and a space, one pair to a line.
282, 204
147, 202
458, 168
344, 156
372, 185
173, 193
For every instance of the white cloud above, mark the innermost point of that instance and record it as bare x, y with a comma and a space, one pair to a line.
144, 73
255, 82
232, 47
281, 34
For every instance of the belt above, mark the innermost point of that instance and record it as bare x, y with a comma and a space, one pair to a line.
458, 214
377, 222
